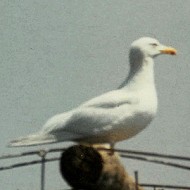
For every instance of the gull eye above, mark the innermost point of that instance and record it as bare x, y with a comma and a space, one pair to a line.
154, 44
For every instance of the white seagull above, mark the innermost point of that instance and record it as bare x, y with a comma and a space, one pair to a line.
114, 116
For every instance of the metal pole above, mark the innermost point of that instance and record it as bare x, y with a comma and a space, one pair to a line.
43, 174
136, 180
42, 154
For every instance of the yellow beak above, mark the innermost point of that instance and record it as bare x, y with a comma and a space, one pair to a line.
169, 50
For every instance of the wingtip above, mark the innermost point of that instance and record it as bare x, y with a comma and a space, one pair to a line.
14, 143
31, 140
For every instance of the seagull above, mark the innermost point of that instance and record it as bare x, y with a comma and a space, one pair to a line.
113, 116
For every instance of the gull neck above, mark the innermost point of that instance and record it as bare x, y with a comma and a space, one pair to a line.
141, 70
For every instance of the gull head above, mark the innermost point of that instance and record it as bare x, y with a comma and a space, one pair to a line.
150, 47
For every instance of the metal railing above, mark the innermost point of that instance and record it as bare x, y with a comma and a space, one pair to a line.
151, 157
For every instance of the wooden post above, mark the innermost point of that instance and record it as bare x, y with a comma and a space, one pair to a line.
90, 168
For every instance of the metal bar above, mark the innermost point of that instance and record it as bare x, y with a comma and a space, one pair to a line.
164, 186
122, 155
43, 173
136, 180
23, 164
152, 154
30, 153
42, 154
185, 167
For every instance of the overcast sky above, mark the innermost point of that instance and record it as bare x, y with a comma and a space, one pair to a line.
56, 54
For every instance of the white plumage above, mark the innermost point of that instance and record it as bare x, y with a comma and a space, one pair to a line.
114, 116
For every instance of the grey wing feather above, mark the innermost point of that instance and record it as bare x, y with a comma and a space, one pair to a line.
90, 118
81, 123
111, 99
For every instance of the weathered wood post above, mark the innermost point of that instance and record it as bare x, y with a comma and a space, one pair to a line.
90, 168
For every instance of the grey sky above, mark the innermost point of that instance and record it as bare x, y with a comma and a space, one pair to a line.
56, 54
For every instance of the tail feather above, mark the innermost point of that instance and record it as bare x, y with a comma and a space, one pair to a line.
32, 140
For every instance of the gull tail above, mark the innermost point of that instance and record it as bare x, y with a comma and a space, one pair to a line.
33, 140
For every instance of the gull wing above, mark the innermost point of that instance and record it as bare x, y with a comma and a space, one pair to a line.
111, 99
92, 117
